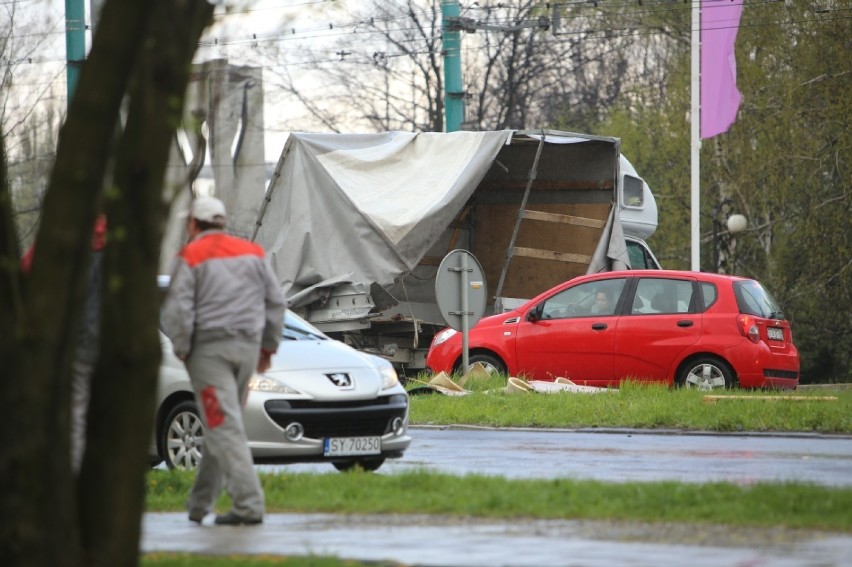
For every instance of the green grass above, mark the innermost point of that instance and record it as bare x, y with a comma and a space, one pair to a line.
638, 406
794, 505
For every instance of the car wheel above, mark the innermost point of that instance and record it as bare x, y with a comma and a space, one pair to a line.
182, 436
706, 373
492, 364
368, 465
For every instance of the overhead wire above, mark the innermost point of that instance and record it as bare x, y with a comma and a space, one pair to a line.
368, 25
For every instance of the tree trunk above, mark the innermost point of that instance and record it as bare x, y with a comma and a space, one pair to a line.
124, 385
41, 518
37, 518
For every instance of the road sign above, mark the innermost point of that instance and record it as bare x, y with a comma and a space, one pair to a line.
461, 292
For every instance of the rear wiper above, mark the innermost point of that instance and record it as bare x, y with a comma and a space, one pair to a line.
776, 315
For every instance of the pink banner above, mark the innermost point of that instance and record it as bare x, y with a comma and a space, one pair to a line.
720, 99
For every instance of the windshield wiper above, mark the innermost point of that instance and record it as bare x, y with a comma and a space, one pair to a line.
297, 334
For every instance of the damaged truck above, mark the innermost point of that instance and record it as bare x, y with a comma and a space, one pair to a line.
356, 225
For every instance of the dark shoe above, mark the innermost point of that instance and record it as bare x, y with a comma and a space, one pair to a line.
197, 517
233, 519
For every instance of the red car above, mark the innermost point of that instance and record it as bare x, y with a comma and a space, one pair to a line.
690, 329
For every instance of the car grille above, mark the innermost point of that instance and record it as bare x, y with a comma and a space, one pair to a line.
770, 373
339, 419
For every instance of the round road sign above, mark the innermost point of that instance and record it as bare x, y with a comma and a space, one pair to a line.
460, 289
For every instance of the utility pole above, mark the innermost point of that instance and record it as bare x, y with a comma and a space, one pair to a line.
451, 38
452, 25
75, 43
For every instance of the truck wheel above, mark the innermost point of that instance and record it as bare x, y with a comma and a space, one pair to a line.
492, 364
181, 437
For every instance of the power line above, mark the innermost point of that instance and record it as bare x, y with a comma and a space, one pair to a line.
330, 30
367, 51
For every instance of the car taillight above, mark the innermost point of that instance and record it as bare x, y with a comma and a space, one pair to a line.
748, 328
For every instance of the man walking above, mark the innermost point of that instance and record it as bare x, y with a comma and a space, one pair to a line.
223, 312
88, 340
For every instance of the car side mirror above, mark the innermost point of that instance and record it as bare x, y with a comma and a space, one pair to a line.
535, 314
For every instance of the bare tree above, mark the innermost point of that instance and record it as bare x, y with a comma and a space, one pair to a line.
31, 107
385, 70
384, 74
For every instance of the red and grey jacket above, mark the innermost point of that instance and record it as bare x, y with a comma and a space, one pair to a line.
223, 284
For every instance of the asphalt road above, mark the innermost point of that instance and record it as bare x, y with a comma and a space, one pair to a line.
614, 456
623, 455
469, 542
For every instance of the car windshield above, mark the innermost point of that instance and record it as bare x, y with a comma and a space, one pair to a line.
297, 329
753, 299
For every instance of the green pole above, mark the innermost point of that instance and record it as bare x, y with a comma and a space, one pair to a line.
75, 43
453, 94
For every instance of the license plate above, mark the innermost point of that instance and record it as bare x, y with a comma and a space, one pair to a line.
775, 333
348, 446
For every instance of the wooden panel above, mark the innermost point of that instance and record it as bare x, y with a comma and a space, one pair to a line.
549, 185
551, 255
527, 277
430, 261
564, 219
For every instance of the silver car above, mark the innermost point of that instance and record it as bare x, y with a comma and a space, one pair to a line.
321, 400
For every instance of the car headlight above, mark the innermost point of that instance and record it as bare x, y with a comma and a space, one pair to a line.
443, 336
259, 383
389, 377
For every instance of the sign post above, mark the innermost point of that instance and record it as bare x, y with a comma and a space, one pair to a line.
460, 290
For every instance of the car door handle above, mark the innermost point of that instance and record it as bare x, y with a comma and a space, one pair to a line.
599, 326
685, 323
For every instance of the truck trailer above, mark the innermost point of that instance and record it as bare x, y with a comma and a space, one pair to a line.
356, 225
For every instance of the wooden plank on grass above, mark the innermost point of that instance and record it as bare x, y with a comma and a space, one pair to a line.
714, 399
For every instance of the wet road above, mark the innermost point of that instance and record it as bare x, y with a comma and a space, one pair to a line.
448, 542
614, 456
623, 455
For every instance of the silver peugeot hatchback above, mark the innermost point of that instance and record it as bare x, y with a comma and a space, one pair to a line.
321, 400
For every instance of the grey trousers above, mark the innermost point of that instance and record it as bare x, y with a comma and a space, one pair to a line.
220, 369
81, 385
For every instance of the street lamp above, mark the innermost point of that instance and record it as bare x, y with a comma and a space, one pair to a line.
735, 223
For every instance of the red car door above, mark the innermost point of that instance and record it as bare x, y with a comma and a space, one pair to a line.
662, 322
566, 339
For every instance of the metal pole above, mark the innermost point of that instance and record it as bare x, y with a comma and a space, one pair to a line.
465, 321
453, 94
75, 43
715, 244
716, 233
695, 144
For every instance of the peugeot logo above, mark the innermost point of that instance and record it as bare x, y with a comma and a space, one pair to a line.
340, 379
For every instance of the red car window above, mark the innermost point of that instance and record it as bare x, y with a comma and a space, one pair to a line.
663, 295
589, 299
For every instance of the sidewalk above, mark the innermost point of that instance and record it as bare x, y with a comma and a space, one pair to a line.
470, 542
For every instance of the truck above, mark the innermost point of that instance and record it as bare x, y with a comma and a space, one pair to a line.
356, 225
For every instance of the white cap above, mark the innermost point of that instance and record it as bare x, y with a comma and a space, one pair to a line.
206, 209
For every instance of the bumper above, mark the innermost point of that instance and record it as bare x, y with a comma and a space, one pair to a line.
310, 451
385, 417
771, 379
759, 366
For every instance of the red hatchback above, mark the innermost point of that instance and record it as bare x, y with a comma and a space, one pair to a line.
691, 329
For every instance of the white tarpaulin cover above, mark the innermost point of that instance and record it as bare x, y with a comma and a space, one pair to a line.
332, 214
